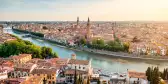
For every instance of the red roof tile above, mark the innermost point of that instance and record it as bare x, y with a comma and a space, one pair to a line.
82, 62
134, 74
72, 71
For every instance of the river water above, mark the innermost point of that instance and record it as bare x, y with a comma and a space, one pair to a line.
109, 63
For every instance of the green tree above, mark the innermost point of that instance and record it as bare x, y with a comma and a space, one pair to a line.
98, 41
20, 46
164, 74
83, 41
149, 73
46, 52
88, 80
55, 55
79, 80
126, 46
98, 82
28, 42
155, 76
75, 77
117, 40
111, 43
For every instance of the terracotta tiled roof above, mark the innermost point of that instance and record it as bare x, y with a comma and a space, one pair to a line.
27, 66
33, 80
2, 70
1, 61
58, 61
8, 63
43, 71
82, 62
72, 71
24, 67
34, 60
15, 79
134, 74
20, 56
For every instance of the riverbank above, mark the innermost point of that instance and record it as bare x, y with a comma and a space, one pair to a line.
32, 33
107, 53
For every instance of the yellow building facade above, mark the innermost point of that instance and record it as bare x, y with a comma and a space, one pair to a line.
48, 75
21, 58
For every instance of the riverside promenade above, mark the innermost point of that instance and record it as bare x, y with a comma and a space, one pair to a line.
126, 55
111, 53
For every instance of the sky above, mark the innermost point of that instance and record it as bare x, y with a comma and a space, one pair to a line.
97, 10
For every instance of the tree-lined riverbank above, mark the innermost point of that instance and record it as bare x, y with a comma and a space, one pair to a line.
20, 46
105, 52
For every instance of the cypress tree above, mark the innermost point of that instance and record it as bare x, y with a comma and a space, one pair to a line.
75, 77
98, 82
88, 80
152, 75
79, 80
156, 76
162, 74
166, 73
148, 73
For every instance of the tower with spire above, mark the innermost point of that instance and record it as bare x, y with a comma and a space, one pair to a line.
88, 34
77, 23
88, 22
113, 30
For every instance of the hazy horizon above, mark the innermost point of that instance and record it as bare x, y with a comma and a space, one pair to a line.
97, 10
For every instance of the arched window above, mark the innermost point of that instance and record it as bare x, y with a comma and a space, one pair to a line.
49, 82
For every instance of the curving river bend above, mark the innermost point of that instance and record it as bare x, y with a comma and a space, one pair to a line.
109, 63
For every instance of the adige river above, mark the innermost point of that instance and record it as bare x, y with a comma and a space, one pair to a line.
109, 63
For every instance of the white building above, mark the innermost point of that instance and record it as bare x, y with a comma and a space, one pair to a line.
3, 74
83, 65
163, 52
136, 77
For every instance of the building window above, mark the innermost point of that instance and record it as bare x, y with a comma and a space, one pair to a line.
54, 82
47, 76
83, 67
84, 77
79, 67
75, 66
